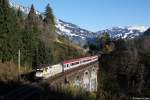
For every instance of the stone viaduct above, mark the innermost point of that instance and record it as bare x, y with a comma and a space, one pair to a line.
84, 76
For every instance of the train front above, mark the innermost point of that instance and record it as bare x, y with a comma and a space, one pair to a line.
39, 74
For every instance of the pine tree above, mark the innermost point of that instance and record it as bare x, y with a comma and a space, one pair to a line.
49, 16
105, 42
32, 17
30, 37
106, 37
5, 30
49, 22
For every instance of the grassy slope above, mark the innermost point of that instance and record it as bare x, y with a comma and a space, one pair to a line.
63, 49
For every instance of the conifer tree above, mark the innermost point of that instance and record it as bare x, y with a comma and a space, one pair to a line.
19, 31
5, 30
49, 16
49, 21
32, 17
106, 37
105, 41
30, 37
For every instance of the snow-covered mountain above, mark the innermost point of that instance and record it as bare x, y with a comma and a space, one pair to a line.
125, 32
82, 36
75, 33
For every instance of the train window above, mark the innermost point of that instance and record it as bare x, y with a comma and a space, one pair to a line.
75, 63
46, 69
39, 70
67, 65
50, 67
86, 60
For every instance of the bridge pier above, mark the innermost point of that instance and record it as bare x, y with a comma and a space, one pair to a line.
93, 80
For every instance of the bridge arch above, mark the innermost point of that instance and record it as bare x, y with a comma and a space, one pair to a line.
93, 73
93, 79
86, 80
77, 81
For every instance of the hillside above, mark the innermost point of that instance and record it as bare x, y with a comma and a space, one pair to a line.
63, 50
35, 36
125, 72
76, 34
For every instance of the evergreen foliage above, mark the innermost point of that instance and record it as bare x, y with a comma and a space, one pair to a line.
49, 15
6, 30
106, 38
105, 43
31, 35
49, 22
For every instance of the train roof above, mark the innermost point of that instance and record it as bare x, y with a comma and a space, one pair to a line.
74, 60
64, 62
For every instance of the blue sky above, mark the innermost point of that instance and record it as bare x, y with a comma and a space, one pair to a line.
96, 15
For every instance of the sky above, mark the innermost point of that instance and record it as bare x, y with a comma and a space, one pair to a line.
95, 15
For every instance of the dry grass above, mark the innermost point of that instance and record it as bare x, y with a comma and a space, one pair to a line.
66, 92
9, 71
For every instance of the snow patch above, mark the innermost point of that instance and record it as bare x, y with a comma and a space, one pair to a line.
139, 28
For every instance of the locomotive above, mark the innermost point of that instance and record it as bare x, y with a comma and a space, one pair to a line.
51, 70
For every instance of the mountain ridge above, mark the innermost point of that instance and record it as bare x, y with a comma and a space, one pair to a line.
125, 32
83, 36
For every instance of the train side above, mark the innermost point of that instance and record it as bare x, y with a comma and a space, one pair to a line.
49, 71
69, 64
